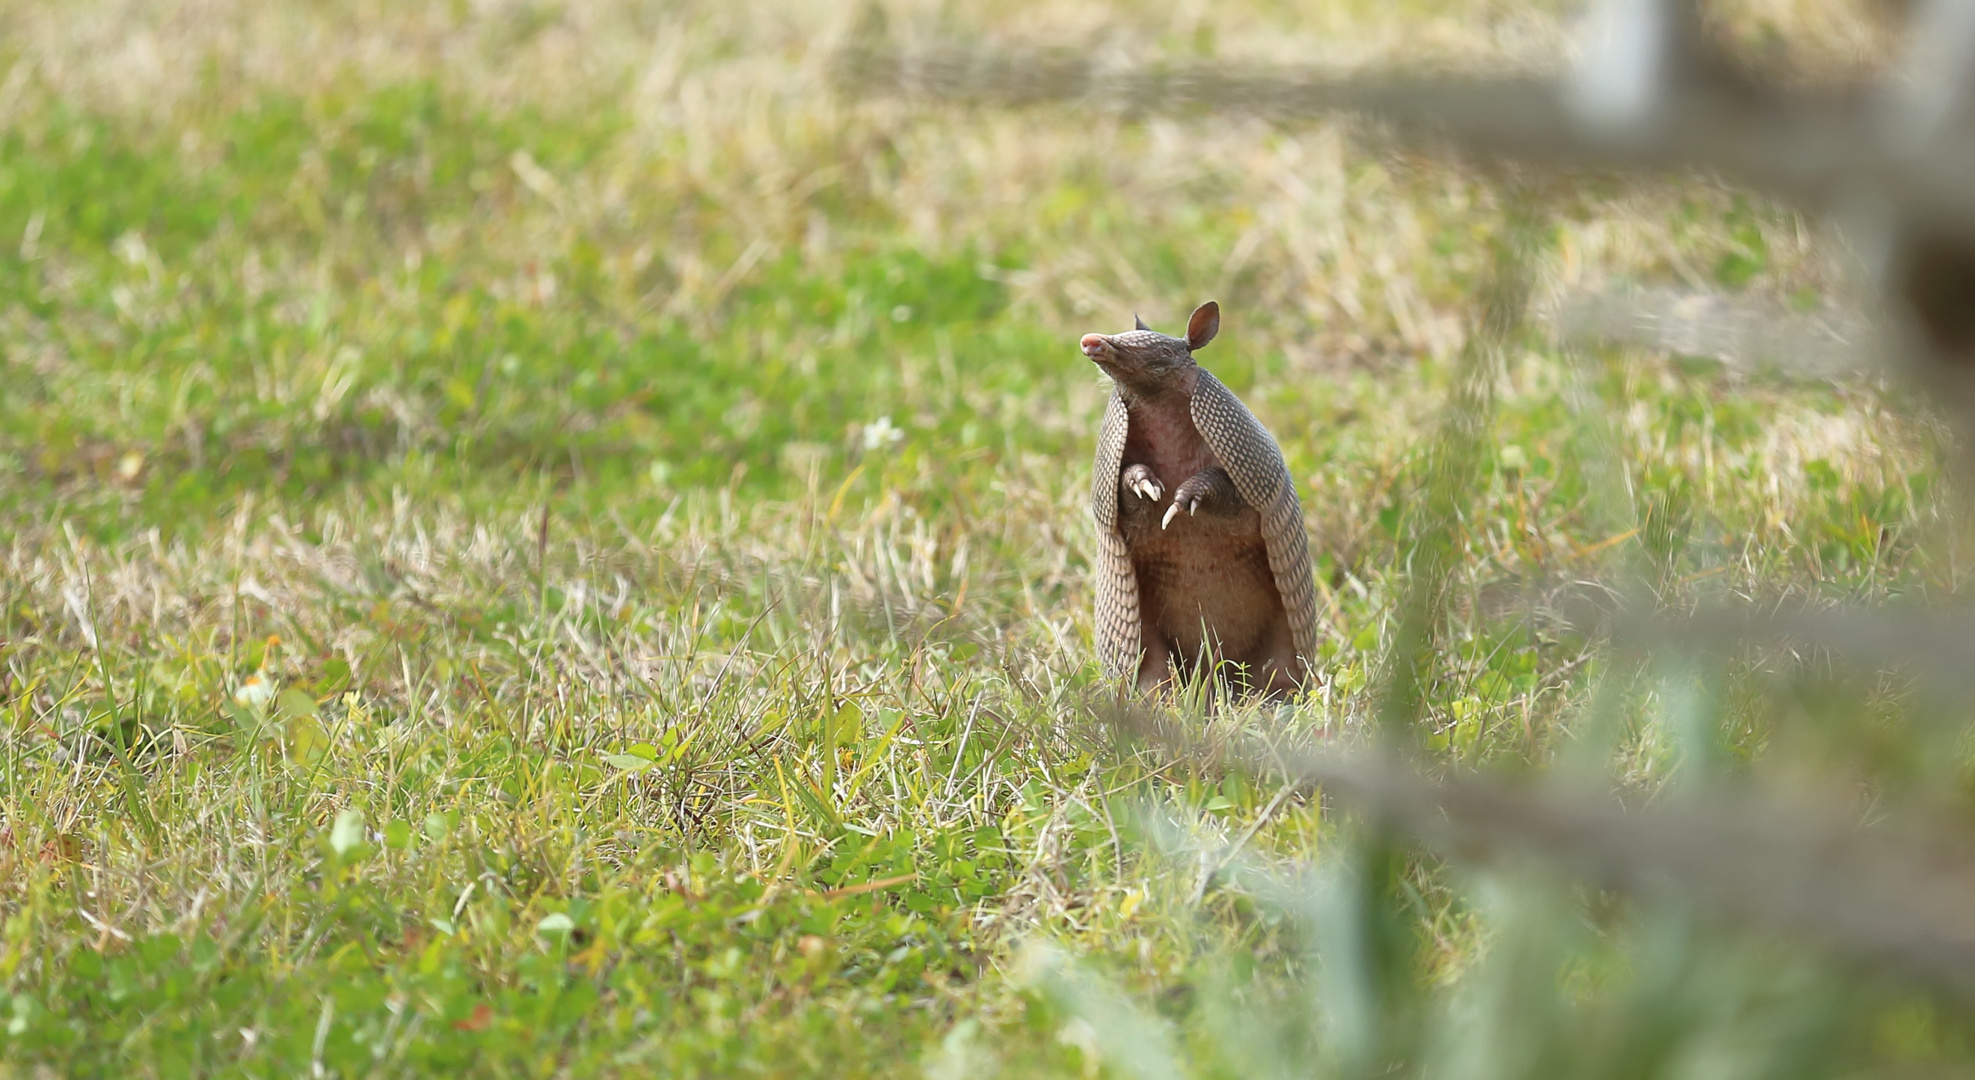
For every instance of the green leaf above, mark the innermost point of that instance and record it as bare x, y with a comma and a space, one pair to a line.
348, 831
555, 923
628, 762
849, 724
397, 835
306, 740
333, 679
295, 702
24, 1009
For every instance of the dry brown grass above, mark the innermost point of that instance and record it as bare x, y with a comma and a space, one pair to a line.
1330, 254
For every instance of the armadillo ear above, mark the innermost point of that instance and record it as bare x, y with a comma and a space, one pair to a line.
1138, 323
1206, 322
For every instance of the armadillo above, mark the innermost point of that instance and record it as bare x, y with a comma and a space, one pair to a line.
1202, 564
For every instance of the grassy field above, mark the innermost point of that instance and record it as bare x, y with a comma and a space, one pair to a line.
538, 540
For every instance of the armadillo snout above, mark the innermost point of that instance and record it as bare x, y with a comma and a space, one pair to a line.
1095, 346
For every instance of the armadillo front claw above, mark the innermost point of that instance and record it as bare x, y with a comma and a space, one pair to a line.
1141, 482
1185, 499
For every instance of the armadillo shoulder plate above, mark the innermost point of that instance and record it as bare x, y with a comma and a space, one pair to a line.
1117, 624
1254, 462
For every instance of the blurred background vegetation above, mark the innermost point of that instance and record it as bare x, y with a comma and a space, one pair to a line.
544, 538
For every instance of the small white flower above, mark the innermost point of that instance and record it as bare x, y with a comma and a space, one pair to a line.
257, 691
880, 433
132, 249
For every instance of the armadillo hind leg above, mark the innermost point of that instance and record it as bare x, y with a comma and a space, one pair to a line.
1155, 664
1282, 671
1282, 683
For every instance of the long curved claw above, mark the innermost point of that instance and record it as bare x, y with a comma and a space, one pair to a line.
1172, 512
1145, 485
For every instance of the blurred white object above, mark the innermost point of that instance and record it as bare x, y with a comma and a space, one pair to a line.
1616, 84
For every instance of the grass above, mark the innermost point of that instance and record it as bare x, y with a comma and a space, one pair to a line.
540, 541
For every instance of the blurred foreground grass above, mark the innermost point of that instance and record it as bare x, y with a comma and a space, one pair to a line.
540, 541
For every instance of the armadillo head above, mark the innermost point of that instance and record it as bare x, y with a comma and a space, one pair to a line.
1147, 362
